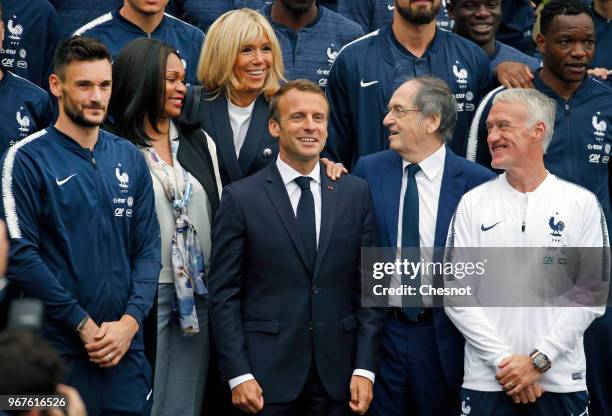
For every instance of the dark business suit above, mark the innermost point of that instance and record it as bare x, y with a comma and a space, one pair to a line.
383, 172
204, 110
272, 316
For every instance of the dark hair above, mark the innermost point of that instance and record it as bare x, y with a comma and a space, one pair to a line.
435, 98
303, 85
28, 365
138, 87
78, 48
561, 8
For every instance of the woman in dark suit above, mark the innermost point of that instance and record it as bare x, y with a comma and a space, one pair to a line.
146, 101
240, 68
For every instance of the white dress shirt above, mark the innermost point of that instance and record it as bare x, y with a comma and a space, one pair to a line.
288, 174
429, 181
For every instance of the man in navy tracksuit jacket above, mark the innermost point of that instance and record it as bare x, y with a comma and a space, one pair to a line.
115, 29
80, 211
30, 39
374, 14
368, 70
202, 14
24, 109
310, 50
72, 14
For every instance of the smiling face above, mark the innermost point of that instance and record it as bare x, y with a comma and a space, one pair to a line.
477, 20
418, 11
513, 139
302, 126
568, 46
84, 91
175, 87
252, 66
411, 134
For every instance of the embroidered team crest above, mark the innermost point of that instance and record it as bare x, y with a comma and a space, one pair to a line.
600, 126
460, 73
556, 226
123, 178
23, 120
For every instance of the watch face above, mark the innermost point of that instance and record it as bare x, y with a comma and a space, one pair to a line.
540, 361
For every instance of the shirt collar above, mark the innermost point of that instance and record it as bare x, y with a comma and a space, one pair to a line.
173, 133
288, 174
432, 165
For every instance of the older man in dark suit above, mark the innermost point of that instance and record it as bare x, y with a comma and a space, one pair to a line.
284, 279
416, 187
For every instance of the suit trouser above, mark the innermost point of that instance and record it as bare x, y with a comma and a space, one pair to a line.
312, 401
598, 352
181, 362
498, 403
123, 390
410, 380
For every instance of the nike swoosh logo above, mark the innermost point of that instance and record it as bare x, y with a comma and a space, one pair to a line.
367, 84
483, 228
63, 181
390, 6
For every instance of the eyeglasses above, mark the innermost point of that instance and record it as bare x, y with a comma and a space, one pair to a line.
399, 112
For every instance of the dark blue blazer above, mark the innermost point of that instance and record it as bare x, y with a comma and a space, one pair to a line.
383, 172
209, 112
271, 315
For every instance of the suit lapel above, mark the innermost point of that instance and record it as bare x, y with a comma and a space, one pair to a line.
224, 137
255, 133
391, 184
329, 197
451, 191
280, 199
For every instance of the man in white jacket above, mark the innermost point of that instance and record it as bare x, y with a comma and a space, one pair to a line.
519, 360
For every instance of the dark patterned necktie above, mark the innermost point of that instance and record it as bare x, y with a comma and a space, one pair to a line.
306, 220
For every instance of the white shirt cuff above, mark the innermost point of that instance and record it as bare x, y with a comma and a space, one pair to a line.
234, 382
364, 373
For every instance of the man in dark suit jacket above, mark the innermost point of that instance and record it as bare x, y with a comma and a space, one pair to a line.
284, 279
420, 179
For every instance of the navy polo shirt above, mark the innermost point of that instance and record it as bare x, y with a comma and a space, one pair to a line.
30, 39
505, 53
24, 109
310, 52
115, 32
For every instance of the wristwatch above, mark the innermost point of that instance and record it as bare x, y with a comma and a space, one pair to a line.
540, 361
81, 325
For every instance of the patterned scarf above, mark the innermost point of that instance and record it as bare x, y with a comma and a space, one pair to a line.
187, 255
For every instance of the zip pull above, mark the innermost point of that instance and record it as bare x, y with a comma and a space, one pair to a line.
524, 223
523, 227
92, 159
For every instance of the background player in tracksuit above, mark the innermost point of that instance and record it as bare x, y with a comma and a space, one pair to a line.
24, 108
31, 39
79, 206
518, 351
374, 14
202, 14
368, 70
311, 37
146, 18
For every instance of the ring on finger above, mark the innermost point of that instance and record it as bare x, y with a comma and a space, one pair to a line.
509, 385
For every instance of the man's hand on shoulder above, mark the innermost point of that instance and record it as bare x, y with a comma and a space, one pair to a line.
112, 341
514, 75
248, 396
362, 393
516, 374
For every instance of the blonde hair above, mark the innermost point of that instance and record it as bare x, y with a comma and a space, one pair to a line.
223, 41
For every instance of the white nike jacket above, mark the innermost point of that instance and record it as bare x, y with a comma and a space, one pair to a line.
496, 215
